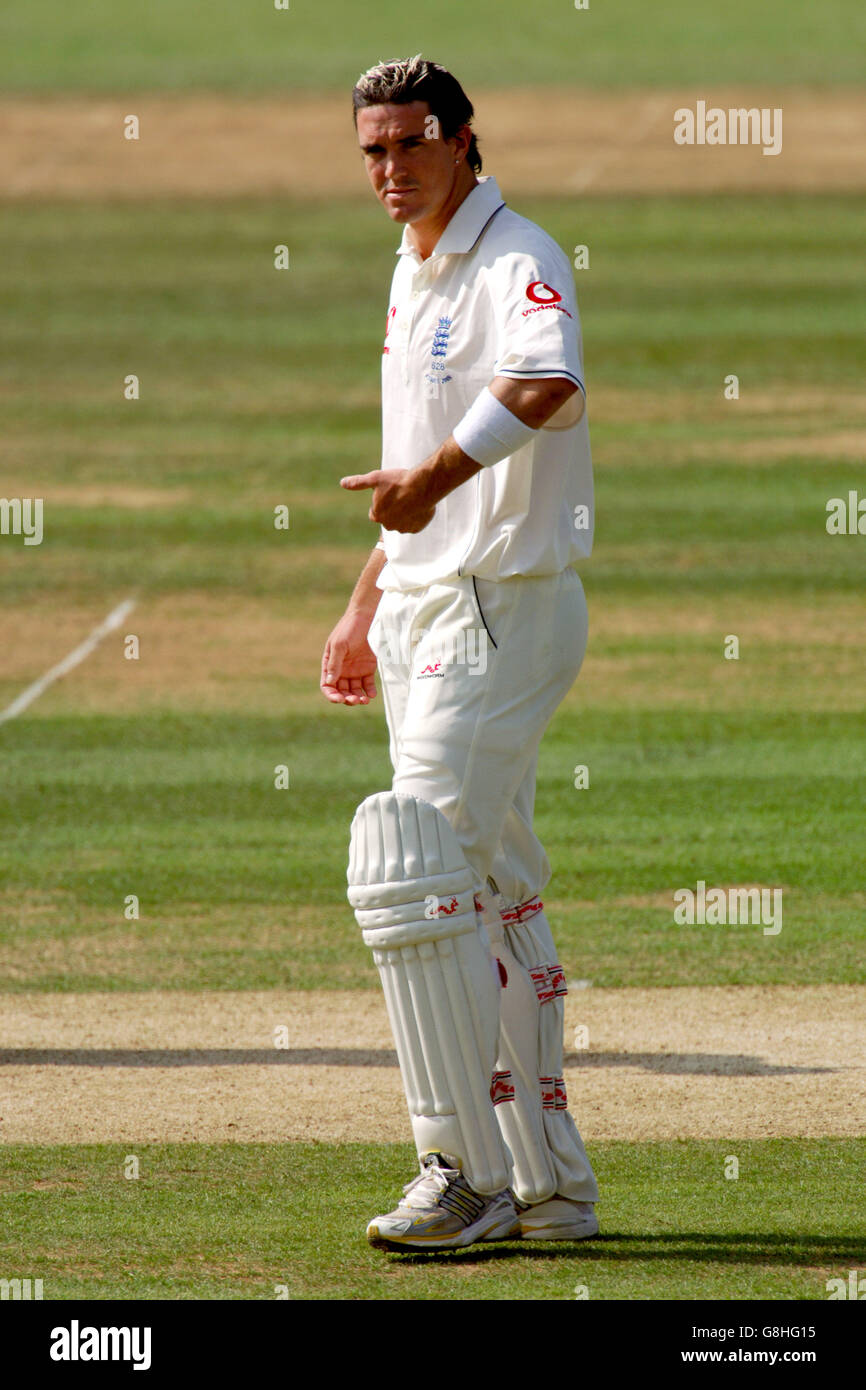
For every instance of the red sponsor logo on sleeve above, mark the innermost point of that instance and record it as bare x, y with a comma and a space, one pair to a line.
549, 296
543, 296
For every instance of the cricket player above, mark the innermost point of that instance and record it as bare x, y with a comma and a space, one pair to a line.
471, 609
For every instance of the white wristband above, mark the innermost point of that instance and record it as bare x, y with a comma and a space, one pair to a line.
489, 431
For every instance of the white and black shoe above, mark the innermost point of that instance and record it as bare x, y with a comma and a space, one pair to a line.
440, 1211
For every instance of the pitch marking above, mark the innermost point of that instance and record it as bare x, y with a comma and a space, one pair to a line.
109, 624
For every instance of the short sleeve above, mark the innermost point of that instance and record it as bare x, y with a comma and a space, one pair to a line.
538, 329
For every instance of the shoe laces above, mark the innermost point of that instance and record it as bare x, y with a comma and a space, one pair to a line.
431, 1183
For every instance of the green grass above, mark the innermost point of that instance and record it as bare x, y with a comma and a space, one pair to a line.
235, 1221
258, 390
242, 886
249, 47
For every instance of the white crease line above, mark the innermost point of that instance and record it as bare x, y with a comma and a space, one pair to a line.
109, 624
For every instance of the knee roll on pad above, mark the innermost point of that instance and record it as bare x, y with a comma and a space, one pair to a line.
412, 892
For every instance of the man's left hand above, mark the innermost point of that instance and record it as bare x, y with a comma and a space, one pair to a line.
400, 499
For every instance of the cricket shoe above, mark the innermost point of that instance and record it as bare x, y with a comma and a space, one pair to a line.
559, 1218
440, 1211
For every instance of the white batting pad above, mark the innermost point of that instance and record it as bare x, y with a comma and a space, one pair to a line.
412, 892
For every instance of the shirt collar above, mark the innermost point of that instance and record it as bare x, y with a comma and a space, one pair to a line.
466, 225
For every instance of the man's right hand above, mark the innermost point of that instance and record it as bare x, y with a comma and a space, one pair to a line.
348, 662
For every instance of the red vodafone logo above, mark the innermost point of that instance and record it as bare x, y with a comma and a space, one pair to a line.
543, 297
551, 296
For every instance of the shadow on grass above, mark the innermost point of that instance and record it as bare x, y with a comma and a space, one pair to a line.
671, 1063
196, 1057
702, 1247
691, 1063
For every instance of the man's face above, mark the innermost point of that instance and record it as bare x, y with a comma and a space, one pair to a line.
410, 166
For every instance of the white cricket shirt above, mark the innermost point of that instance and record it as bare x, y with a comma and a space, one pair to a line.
496, 298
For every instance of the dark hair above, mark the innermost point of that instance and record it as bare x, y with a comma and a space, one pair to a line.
415, 79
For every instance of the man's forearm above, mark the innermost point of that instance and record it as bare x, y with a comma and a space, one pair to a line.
365, 595
444, 470
405, 499
532, 402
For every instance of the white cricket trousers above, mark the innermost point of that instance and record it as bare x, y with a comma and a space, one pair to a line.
471, 673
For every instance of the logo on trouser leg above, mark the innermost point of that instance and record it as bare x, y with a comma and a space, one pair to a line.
540, 977
553, 1095
549, 981
502, 1087
557, 980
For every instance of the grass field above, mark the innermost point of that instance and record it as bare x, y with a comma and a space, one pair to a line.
242, 887
155, 777
239, 1221
250, 47
254, 396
